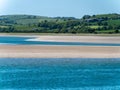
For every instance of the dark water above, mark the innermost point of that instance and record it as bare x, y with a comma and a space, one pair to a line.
23, 41
59, 74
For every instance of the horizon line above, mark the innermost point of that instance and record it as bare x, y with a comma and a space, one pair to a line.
56, 16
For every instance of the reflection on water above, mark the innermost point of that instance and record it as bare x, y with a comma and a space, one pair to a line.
59, 74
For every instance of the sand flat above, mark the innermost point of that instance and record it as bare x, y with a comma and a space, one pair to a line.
94, 39
27, 51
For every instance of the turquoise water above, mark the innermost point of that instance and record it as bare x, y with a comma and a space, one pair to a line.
23, 41
59, 74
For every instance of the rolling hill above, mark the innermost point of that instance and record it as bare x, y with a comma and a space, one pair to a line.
104, 23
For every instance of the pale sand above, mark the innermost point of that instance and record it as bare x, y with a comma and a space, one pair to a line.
94, 39
25, 51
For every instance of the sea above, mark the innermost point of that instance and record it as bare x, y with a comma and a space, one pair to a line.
59, 74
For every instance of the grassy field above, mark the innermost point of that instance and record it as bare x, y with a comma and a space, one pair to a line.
114, 22
106, 31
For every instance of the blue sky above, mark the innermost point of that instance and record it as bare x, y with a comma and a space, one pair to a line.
53, 8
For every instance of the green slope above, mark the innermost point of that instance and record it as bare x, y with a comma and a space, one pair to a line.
104, 23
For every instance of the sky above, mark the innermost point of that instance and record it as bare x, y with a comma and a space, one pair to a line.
54, 8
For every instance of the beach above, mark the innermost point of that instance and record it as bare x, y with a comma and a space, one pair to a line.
52, 51
25, 51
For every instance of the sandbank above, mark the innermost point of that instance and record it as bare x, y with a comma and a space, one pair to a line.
28, 51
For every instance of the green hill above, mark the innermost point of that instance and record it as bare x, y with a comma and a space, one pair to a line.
104, 23
23, 19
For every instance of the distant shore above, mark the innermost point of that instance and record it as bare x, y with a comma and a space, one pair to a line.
59, 34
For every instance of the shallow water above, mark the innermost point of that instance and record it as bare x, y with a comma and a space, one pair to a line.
59, 74
24, 41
